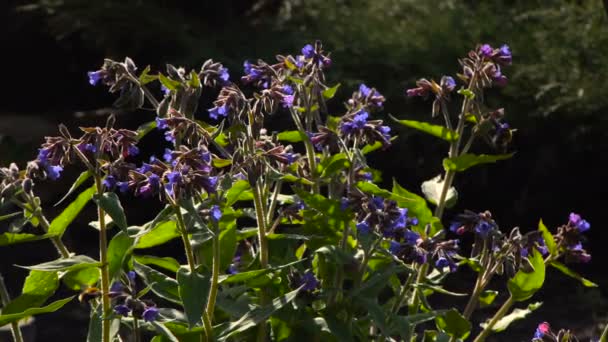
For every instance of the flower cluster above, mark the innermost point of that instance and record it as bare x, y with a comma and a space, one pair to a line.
231, 101
213, 74
356, 127
484, 64
441, 91
10, 181
481, 224
544, 333
125, 302
177, 125
569, 238
365, 98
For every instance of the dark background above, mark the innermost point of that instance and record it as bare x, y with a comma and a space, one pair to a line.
557, 99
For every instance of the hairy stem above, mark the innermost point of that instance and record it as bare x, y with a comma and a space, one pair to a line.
310, 151
103, 258
499, 314
261, 219
215, 273
15, 330
184, 233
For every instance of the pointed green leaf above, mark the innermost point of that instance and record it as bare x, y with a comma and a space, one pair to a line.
418, 208
81, 179
145, 77
548, 237
61, 222
78, 280
7, 239
236, 191
162, 285
37, 288
145, 128
487, 297
331, 92
257, 315
523, 285
169, 83
118, 249
167, 263
565, 270
193, 291
158, 235
467, 160
434, 130
291, 136
454, 324
515, 315
110, 203
75, 262
54, 306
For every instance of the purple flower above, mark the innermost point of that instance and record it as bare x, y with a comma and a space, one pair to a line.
503, 56
449, 83
486, 51
170, 137
288, 101
95, 76
498, 78
378, 202
150, 314
309, 281
542, 330
53, 171
109, 182
247, 68
215, 213
385, 130
365, 90
482, 228
401, 220
367, 176
150, 188
168, 155
216, 112
581, 224
123, 186
161, 123
300, 61
165, 90
411, 237
442, 263
131, 275
308, 51
122, 310
87, 148
359, 121
363, 228
224, 75
133, 150
174, 177
394, 247
116, 287
287, 89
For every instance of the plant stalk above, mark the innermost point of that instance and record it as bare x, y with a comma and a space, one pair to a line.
103, 258
499, 314
184, 233
4, 296
215, 272
261, 219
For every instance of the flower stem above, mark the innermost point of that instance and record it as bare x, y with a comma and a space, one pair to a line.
261, 219
310, 151
103, 258
136, 331
215, 272
184, 233
499, 314
15, 330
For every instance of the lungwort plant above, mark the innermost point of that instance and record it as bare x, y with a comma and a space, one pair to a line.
286, 236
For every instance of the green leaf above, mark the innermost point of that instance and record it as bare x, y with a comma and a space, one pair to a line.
76, 262
94, 333
467, 160
548, 237
167, 263
487, 297
331, 92
81, 179
37, 288
193, 291
110, 203
434, 130
466, 93
54, 306
194, 81
402, 325
162, 285
516, 315
78, 280
454, 324
565, 270
371, 148
523, 285
61, 222
236, 192
418, 208
7, 239
257, 315
292, 136
169, 83
118, 249
145, 128
333, 165
145, 77
432, 189
220, 163
158, 235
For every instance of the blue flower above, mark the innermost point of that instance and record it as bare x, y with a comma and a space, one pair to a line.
300, 61
577, 221
449, 83
365, 90
131, 275
385, 130
486, 51
483, 227
123, 186
122, 310
161, 123
165, 90
95, 76
363, 228
224, 75
442, 262
87, 148
133, 150
170, 137
168, 155
401, 220
287, 89
53, 171
116, 287
150, 314
174, 177
309, 281
394, 247
503, 56
216, 112
247, 67
308, 51
288, 101
215, 213
411, 237
109, 182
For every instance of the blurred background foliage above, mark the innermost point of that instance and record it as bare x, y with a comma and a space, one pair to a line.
557, 96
